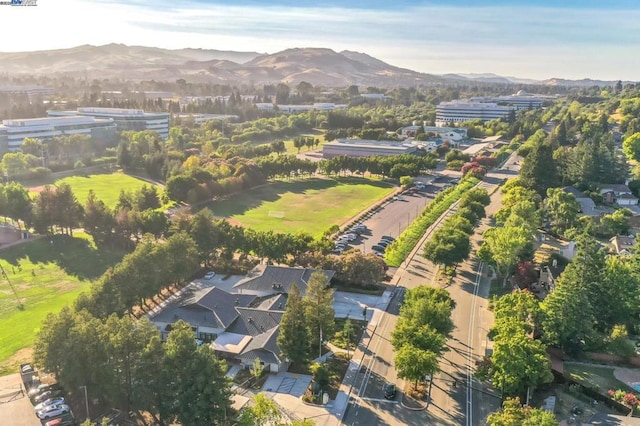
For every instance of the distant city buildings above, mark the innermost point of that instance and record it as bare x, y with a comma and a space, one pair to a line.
318, 106
201, 118
125, 119
31, 91
484, 108
13, 132
365, 148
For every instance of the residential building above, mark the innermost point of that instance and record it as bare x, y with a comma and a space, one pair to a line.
365, 148
618, 194
13, 132
125, 119
622, 244
587, 205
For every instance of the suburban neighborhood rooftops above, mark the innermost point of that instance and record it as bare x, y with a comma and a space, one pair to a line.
263, 346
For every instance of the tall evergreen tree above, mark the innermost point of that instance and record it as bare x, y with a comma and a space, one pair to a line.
293, 339
319, 312
538, 170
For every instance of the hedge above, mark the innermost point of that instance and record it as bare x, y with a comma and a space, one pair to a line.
400, 249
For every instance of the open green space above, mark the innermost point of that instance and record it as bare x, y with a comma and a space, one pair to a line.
106, 186
309, 205
43, 277
594, 376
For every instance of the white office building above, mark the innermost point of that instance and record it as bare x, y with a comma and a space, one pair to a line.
365, 148
13, 132
465, 110
520, 100
125, 119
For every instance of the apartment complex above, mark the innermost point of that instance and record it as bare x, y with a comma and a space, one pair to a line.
125, 119
13, 132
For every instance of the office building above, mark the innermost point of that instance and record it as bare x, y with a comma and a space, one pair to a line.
365, 148
126, 119
13, 132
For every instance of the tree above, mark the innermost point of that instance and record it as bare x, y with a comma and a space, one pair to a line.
538, 170
568, 319
260, 411
202, 393
413, 363
294, 339
501, 247
631, 146
448, 247
318, 308
518, 362
515, 414
563, 209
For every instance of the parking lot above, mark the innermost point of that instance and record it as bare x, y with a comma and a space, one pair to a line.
395, 215
15, 407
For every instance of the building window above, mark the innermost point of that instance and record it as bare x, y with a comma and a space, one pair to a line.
208, 337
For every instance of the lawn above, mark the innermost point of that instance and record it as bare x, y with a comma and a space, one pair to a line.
106, 186
45, 277
309, 205
594, 376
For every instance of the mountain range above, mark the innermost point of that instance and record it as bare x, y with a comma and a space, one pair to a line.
317, 66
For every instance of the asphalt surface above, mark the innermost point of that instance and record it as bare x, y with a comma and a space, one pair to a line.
468, 402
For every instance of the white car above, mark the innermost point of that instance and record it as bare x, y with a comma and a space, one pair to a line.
349, 237
53, 411
51, 401
209, 275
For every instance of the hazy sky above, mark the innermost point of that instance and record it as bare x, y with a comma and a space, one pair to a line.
532, 39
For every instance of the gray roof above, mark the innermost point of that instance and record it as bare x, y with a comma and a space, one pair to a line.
263, 346
276, 302
211, 307
617, 188
252, 322
278, 279
575, 191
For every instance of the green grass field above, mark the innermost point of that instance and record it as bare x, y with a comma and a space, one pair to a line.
594, 375
309, 205
45, 277
106, 186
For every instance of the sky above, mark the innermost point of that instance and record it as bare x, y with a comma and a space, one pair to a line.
535, 39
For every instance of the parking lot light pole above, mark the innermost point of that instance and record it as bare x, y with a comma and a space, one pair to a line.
86, 401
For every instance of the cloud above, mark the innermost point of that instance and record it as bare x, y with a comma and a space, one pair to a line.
568, 36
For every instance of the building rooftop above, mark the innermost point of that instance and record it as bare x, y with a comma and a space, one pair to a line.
277, 279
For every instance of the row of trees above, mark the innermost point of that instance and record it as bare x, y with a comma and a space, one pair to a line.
450, 243
420, 335
123, 363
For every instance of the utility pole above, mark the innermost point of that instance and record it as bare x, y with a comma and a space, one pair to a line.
15, 293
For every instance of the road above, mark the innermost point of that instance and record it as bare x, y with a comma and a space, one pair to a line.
468, 402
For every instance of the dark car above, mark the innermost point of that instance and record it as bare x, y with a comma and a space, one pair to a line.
46, 395
389, 391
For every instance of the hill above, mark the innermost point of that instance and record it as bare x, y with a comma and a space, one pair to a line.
317, 66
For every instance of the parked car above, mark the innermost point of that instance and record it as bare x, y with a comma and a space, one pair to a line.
387, 238
389, 391
53, 411
378, 248
65, 420
383, 243
47, 402
46, 395
350, 236
209, 275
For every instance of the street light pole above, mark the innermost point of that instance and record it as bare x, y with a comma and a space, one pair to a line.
348, 337
86, 401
